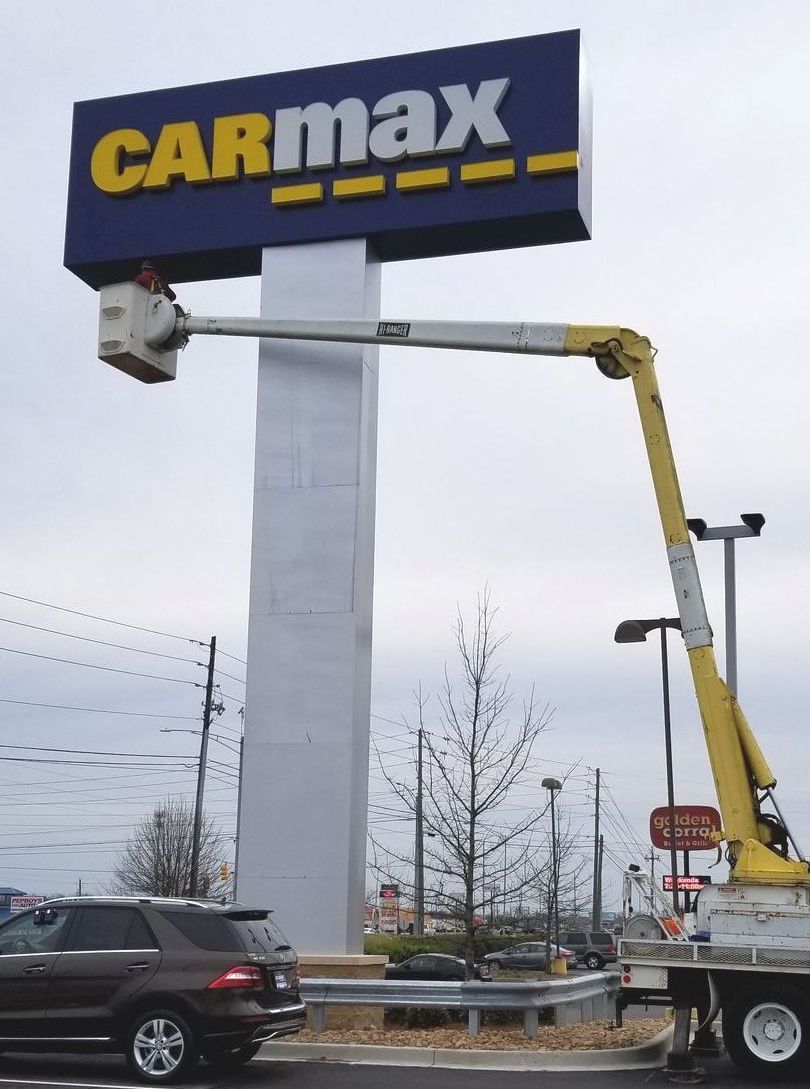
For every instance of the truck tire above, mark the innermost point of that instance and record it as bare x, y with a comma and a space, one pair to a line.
766, 1029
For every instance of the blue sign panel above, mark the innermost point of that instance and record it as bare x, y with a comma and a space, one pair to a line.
480, 147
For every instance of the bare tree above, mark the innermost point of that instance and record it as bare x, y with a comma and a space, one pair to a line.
478, 755
157, 858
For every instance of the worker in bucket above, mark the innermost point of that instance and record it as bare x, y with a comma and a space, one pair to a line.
150, 278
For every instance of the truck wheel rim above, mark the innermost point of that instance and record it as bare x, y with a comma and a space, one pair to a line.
158, 1047
772, 1032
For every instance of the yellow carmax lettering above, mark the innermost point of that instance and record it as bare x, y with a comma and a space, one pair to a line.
289, 195
241, 139
179, 153
558, 162
436, 177
106, 167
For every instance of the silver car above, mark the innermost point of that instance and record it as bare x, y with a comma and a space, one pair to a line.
529, 955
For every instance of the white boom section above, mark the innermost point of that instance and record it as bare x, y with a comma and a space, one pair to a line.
477, 336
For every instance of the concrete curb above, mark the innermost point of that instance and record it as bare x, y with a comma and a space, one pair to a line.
643, 1057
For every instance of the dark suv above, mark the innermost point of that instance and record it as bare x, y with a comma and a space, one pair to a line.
162, 981
594, 948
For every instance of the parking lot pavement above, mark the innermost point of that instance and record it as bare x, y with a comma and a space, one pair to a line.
106, 1072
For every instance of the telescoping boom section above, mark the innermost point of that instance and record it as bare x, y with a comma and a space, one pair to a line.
757, 842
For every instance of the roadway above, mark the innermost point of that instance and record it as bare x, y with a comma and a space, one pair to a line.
111, 1072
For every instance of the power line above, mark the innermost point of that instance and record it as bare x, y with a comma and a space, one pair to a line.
224, 695
99, 642
102, 752
53, 846
92, 665
85, 763
225, 653
230, 676
392, 721
103, 619
98, 710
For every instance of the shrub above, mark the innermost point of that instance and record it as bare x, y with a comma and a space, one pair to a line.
399, 947
426, 1017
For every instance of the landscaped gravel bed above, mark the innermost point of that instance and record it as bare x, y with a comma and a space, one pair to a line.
591, 1036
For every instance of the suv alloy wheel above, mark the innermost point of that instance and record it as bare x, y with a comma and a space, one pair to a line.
161, 1047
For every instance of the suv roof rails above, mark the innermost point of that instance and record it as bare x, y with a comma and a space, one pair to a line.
186, 901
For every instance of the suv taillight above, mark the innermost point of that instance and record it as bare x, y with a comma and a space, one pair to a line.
296, 977
243, 975
611, 949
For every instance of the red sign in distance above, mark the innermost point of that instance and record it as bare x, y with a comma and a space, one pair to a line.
687, 883
694, 825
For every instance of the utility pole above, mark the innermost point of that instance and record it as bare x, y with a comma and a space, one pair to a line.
596, 906
652, 858
193, 880
599, 885
419, 853
238, 805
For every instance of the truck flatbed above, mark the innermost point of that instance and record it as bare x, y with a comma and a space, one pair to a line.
711, 955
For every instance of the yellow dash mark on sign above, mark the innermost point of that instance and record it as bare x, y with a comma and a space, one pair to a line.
557, 163
412, 180
493, 170
310, 193
371, 186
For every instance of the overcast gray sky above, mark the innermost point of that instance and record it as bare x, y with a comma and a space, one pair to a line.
134, 502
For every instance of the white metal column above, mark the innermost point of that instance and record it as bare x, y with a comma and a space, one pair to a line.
302, 845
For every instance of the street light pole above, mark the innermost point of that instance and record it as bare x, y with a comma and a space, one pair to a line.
635, 631
419, 851
670, 778
554, 785
751, 527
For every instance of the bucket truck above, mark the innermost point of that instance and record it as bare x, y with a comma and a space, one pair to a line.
753, 959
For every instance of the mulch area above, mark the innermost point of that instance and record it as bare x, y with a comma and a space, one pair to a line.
590, 1036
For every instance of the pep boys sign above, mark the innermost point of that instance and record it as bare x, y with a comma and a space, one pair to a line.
694, 827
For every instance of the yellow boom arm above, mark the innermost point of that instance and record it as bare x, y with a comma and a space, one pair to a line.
739, 768
757, 843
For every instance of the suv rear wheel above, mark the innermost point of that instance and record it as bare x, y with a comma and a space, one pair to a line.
593, 960
161, 1047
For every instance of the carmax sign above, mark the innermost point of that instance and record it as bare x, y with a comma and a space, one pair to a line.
473, 148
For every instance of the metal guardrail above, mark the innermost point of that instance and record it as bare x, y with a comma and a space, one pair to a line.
586, 998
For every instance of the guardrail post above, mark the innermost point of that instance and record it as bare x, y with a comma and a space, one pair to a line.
318, 1016
474, 1022
531, 1021
569, 1013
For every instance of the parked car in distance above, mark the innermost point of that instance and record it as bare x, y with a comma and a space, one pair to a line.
162, 981
529, 955
594, 948
434, 966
